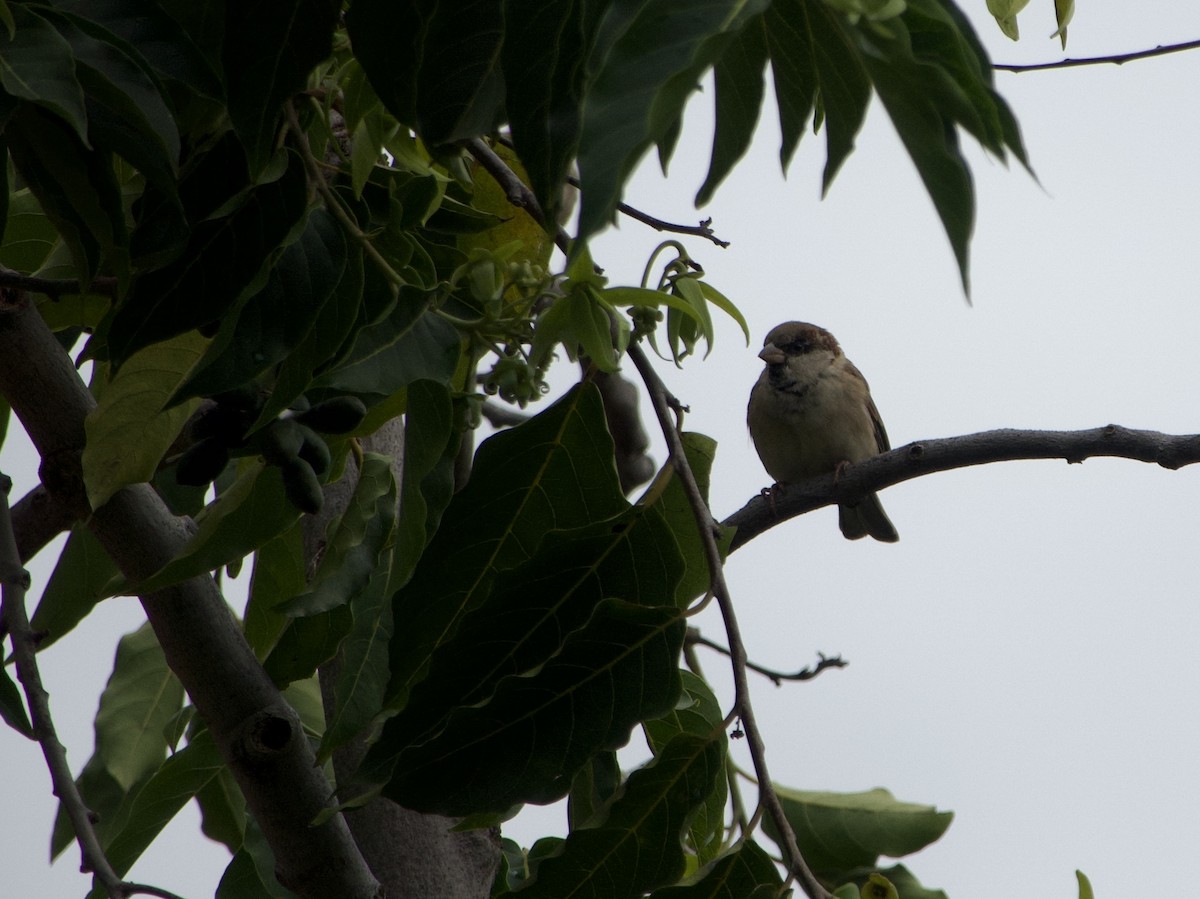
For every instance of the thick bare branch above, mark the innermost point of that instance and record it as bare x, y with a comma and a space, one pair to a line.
258, 733
946, 453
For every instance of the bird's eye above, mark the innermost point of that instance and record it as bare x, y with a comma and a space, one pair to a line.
796, 347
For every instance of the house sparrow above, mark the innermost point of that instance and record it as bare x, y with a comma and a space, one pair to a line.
811, 412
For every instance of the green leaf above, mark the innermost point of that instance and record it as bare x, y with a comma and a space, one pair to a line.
527, 742
698, 713
152, 37
334, 324
637, 847
251, 873
141, 697
37, 64
222, 258
1005, 13
1085, 886
75, 187
545, 46
553, 471
131, 429
1064, 11
646, 65
816, 66
268, 326
363, 674
77, 583
899, 881
242, 519
746, 872
739, 95
537, 605
222, 810
434, 66
172, 786
431, 443
29, 235
428, 348
279, 573
592, 789
127, 112
839, 832
267, 55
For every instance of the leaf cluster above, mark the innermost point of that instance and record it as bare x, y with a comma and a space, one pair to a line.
272, 237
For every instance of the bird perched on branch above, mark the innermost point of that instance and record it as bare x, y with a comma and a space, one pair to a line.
810, 413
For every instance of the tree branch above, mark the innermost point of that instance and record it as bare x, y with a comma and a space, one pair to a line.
258, 734
694, 637
1117, 59
56, 287
767, 796
946, 453
37, 519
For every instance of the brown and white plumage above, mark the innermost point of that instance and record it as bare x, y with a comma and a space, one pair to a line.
810, 411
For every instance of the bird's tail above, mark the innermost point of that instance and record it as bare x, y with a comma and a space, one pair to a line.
866, 517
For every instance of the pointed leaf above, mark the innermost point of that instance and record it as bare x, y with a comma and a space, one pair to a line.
242, 519
553, 471
838, 832
130, 429
77, 583
637, 847
526, 744
37, 64
747, 872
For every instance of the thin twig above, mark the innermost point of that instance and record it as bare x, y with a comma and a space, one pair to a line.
333, 202
768, 798
1116, 59
928, 456
704, 229
776, 677
519, 193
14, 581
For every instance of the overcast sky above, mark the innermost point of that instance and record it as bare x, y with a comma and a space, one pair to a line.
1025, 656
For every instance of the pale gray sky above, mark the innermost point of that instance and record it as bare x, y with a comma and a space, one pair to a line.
1025, 656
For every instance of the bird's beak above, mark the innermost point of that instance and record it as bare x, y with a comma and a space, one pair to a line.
772, 355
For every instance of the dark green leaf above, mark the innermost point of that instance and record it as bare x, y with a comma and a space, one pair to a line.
37, 64
75, 586
430, 446
428, 348
746, 872
146, 32
221, 259
75, 187
697, 713
127, 112
29, 234
332, 327
434, 66
269, 325
279, 573
545, 47
267, 56
535, 606
242, 519
553, 471
222, 810
645, 69
171, 787
637, 847
527, 742
839, 832
739, 95
592, 789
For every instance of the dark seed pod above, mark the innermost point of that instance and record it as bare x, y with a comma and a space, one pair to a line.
202, 462
301, 485
281, 441
339, 415
315, 451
